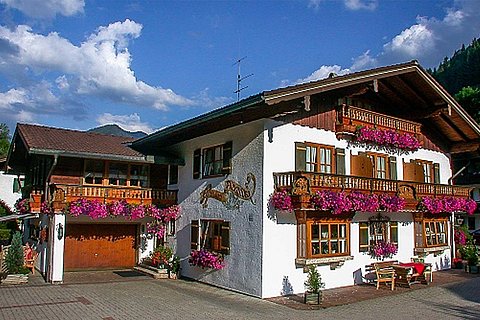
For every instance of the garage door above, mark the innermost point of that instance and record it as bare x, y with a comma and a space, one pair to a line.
99, 246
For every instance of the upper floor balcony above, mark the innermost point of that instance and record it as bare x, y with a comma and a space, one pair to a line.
298, 183
348, 118
64, 193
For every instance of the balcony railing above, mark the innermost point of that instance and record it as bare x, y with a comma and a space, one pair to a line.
350, 117
324, 181
66, 193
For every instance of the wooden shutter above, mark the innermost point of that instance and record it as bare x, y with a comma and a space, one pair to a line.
413, 171
300, 156
340, 161
227, 158
392, 163
225, 234
194, 229
436, 173
361, 165
197, 160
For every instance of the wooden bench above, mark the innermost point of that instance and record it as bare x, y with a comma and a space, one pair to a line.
381, 272
406, 276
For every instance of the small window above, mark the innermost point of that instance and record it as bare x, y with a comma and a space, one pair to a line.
318, 158
212, 161
94, 170
172, 174
139, 175
380, 165
431, 233
213, 235
117, 174
327, 239
431, 171
375, 231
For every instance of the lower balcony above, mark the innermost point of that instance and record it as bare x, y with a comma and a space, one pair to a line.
63, 193
306, 183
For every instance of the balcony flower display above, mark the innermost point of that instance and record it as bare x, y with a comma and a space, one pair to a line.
281, 200
156, 228
447, 205
22, 206
460, 236
389, 139
383, 249
341, 202
205, 259
46, 208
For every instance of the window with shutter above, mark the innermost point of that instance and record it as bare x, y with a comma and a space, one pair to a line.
300, 156
213, 161
436, 173
361, 165
227, 158
213, 235
374, 231
340, 161
392, 164
197, 163
312, 157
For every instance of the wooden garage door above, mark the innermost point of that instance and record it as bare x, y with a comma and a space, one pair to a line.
99, 246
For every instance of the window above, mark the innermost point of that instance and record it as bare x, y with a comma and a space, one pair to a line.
94, 170
327, 238
311, 157
431, 232
377, 230
422, 171
471, 223
212, 161
117, 174
379, 163
139, 175
213, 235
172, 174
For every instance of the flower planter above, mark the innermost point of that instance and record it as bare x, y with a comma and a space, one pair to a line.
312, 297
472, 269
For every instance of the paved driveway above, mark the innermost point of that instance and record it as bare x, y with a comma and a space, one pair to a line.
169, 299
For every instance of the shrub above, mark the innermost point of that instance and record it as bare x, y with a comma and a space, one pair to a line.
14, 258
314, 280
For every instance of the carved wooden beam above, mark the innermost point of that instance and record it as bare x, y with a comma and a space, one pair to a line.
462, 147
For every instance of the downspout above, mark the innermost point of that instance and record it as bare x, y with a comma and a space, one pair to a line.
457, 173
49, 175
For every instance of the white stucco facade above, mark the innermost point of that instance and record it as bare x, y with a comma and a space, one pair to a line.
6, 189
263, 243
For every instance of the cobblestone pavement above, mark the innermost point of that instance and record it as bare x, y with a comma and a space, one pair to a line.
180, 299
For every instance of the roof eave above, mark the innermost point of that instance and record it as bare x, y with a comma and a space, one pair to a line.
88, 155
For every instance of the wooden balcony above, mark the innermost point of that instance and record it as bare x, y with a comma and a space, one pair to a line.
66, 193
348, 118
411, 191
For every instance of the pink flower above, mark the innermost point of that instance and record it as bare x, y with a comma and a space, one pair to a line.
206, 259
390, 139
281, 200
447, 205
383, 249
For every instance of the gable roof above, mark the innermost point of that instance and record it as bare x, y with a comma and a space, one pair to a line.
406, 89
65, 142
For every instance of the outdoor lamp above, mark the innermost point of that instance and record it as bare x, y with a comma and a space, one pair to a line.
60, 231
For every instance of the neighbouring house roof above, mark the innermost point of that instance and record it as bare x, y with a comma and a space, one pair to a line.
65, 142
405, 90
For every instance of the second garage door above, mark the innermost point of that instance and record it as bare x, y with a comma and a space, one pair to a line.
100, 246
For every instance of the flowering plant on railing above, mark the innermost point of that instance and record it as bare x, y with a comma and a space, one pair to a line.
97, 210
22, 206
205, 259
46, 208
383, 249
281, 200
340, 202
389, 139
462, 236
447, 205
156, 228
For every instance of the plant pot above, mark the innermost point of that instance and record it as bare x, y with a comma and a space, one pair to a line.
312, 297
472, 269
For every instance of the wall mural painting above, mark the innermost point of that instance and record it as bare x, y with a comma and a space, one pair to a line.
233, 194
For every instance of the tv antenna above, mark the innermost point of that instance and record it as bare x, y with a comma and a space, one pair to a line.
240, 78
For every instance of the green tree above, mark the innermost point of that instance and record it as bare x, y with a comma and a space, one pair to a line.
4, 139
14, 257
469, 99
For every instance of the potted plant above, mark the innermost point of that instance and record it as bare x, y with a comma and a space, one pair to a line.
313, 284
471, 255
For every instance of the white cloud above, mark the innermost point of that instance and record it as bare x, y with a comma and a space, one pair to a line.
130, 122
429, 40
204, 100
99, 67
324, 72
361, 4
46, 9
314, 4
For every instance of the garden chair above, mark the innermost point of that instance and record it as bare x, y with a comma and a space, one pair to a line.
427, 273
385, 275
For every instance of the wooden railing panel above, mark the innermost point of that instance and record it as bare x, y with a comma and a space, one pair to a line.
322, 181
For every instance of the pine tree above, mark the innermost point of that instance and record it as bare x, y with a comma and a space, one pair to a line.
14, 257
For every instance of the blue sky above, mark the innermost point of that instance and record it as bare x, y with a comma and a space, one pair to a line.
148, 64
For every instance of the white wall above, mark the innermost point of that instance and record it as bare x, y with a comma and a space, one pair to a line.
280, 275
243, 265
6, 190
